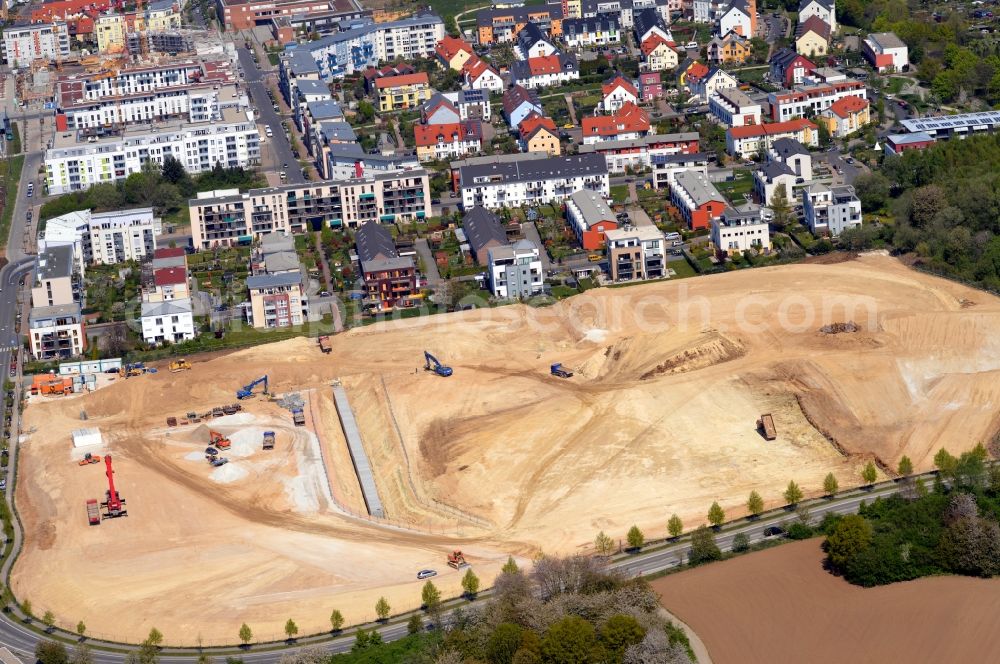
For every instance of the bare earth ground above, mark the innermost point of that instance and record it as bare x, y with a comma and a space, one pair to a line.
780, 605
501, 457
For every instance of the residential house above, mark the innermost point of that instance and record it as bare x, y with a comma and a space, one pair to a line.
897, 144
642, 153
371, 74
636, 253
590, 218
732, 49
650, 86
658, 54
629, 122
788, 68
666, 167
697, 199
845, 116
736, 18
539, 134
600, 30
825, 10
616, 93
708, 11
399, 93
773, 177
453, 52
451, 107
166, 312
734, 108
886, 52
439, 142
480, 75
533, 43
792, 153
526, 179
812, 99
830, 210
690, 72
518, 103
740, 230
750, 140
390, 279
515, 270
484, 232
55, 323
649, 22
717, 79
812, 37
503, 24
543, 72
439, 110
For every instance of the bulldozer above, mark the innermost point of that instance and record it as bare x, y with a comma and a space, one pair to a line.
179, 365
457, 560
219, 441
89, 458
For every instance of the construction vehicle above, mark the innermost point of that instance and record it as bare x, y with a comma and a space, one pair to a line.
132, 370
171, 421
324, 343
93, 512
114, 504
431, 363
231, 409
89, 459
219, 461
216, 439
457, 560
766, 425
179, 365
211, 453
246, 392
268, 440
558, 369
298, 417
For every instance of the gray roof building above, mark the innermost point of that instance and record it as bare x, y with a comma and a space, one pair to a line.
498, 171
483, 230
327, 109
310, 86
698, 187
54, 262
167, 307
259, 281
788, 147
374, 242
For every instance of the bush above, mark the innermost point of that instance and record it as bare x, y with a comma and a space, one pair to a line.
799, 531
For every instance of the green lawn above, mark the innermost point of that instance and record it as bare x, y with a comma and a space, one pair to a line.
10, 171
742, 183
619, 193
682, 268
453, 7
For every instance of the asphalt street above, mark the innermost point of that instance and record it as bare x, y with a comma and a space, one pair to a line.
278, 143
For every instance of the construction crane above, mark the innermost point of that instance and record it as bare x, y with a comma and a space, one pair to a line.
114, 505
431, 363
246, 392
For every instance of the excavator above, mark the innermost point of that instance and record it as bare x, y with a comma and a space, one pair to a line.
89, 458
179, 365
246, 392
431, 363
219, 441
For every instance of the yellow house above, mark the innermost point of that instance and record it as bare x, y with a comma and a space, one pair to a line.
731, 49
453, 52
539, 134
396, 93
846, 116
658, 54
109, 31
574, 9
162, 16
812, 37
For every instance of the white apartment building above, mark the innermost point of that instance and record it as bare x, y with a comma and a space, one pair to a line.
601, 30
167, 320
734, 108
55, 324
409, 38
812, 99
276, 300
22, 44
105, 238
886, 52
830, 210
635, 253
71, 166
741, 230
136, 80
643, 152
529, 181
197, 103
515, 270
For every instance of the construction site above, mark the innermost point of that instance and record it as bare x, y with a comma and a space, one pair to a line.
285, 481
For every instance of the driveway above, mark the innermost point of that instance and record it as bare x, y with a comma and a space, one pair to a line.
531, 233
430, 267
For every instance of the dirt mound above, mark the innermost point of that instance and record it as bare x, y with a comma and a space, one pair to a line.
713, 349
839, 328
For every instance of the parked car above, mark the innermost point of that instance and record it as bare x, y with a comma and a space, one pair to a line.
773, 531
422, 574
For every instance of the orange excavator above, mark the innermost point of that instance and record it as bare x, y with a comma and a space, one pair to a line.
216, 439
89, 458
457, 560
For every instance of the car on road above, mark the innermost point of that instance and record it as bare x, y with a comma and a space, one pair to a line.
284, 165
850, 160
422, 574
324, 293
31, 189
773, 531
283, 175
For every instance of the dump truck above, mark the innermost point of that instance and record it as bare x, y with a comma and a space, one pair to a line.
268, 440
179, 365
766, 425
171, 421
231, 409
558, 369
324, 343
93, 512
298, 417
457, 560
89, 458
216, 439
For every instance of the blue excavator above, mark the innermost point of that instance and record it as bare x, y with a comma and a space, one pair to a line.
246, 392
432, 364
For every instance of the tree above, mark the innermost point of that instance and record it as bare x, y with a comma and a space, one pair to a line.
793, 494
740, 543
604, 544
852, 535
716, 515
82, 655
81, 629
366, 111
755, 504
382, 608
830, 484
246, 634
154, 639
571, 640
414, 624
365, 639
509, 567
675, 526
291, 629
504, 642
26, 607
451, 25
869, 473
430, 596
337, 620
945, 462
703, 547
173, 170
49, 620
635, 538
470, 584
620, 632
873, 191
51, 652
779, 205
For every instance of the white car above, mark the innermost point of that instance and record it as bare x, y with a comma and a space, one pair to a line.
426, 574
691, 44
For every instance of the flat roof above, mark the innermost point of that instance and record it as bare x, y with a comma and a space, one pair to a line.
272, 280
55, 262
522, 170
982, 119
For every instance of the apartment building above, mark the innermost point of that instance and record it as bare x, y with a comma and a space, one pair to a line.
23, 44
229, 217
667, 167
830, 210
515, 270
105, 238
397, 93
55, 323
886, 52
72, 165
502, 24
603, 30
845, 116
525, 180
697, 199
276, 300
390, 279
734, 108
740, 230
636, 253
546, 71
641, 153
630, 122
444, 141
588, 214
750, 140
309, 14
812, 99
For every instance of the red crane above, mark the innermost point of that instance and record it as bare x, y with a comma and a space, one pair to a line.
114, 504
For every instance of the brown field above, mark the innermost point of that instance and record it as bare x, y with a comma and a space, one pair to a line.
780, 605
500, 458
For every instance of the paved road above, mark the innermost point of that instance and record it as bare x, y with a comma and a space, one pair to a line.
278, 143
